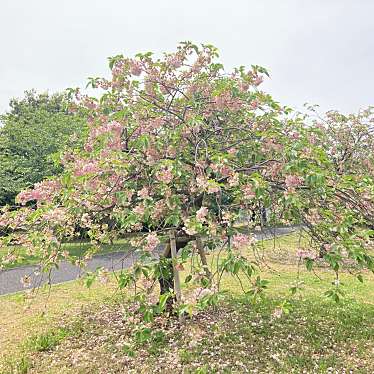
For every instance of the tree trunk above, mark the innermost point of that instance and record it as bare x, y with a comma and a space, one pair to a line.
166, 278
200, 248
173, 251
166, 269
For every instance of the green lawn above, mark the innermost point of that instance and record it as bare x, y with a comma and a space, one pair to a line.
75, 249
75, 330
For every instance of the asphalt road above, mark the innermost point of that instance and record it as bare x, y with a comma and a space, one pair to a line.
10, 280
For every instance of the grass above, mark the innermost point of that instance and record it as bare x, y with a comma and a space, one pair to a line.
74, 249
25, 315
75, 330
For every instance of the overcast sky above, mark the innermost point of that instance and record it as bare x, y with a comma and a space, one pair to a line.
317, 51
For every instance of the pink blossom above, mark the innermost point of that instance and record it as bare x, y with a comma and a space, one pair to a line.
114, 128
84, 167
144, 193
152, 242
135, 68
225, 101
117, 69
58, 216
200, 293
28, 195
234, 180
129, 194
164, 90
312, 139
272, 144
86, 220
201, 214
192, 89
221, 101
139, 209
258, 80
196, 67
240, 241
137, 227
149, 88
156, 123
327, 247
274, 169
165, 176
254, 104
213, 188
175, 61
43, 191
152, 154
147, 283
243, 86
248, 192
303, 254
89, 103
158, 210
215, 167
295, 135
293, 181
88, 147
225, 170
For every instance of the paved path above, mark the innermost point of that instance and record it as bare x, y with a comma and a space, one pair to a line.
10, 280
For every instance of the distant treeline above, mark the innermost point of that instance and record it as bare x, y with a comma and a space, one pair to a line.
32, 133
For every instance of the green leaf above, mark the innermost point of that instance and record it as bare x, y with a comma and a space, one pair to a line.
162, 301
90, 279
309, 263
188, 278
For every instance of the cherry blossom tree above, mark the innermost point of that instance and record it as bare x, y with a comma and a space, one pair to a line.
177, 150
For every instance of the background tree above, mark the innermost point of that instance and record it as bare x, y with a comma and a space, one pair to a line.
348, 141
32, 131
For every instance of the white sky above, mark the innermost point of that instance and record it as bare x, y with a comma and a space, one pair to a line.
317, 51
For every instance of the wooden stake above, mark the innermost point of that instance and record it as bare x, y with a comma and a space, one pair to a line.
177, 285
